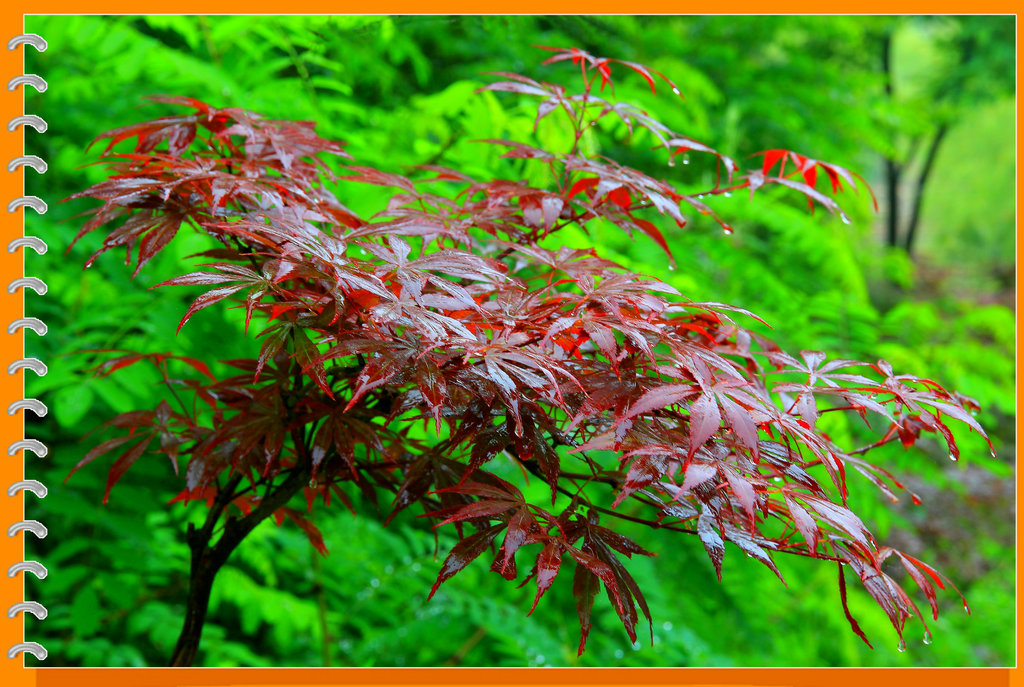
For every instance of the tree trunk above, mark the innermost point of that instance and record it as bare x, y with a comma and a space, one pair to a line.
892, 167
922, 179
207, 560
200, 586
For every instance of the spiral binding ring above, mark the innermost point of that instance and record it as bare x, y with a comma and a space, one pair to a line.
34, 121
33, 445
34, 364
34, 526
39, 327
32, 485
33, 39
33, 607
33, 242
33, 202
34, 283
33, 404
34, 648
34, 567
34, 80
34, 161
33, 323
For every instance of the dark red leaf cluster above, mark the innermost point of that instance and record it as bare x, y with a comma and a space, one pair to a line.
453, 307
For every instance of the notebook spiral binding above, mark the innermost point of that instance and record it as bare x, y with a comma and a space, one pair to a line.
37, 366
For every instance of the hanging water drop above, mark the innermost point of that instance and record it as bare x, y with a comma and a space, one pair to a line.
727, 229
727, 194
313, 483
952, 456
671, 162
842, 216
675, 90
686, 158
671, 268
902, 646
593, 122
927, 637
992, 452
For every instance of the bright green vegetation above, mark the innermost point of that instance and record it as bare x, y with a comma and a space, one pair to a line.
400, 93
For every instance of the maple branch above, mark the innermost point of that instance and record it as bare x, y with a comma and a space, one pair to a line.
880, 442
576, 216
207, 560
201, 579
241, 251
170, 387
684, 530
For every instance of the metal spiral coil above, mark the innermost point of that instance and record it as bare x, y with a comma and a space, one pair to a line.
26, 607
33, 242
34, 283
34, 364
36, 122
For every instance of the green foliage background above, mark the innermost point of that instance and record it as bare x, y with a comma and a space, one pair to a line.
400, 91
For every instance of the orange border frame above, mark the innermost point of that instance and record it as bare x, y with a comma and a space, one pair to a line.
12, 549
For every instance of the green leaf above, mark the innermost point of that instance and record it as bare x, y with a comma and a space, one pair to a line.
72, 403
85, 612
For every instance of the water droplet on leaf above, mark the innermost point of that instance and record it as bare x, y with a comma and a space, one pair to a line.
671, 162
902, 646
686, 158
671, 268
842, 216
927, 637
727, 194
728, 230
675, 90
952, 457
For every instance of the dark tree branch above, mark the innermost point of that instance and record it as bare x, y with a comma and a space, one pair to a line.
922, 179
893, 169
208, 559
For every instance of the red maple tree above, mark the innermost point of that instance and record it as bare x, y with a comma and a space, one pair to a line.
454, 307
